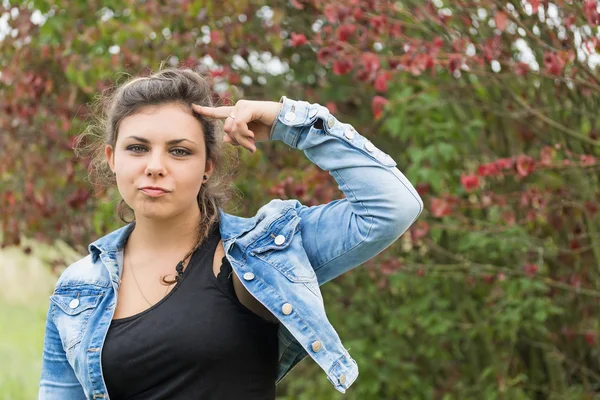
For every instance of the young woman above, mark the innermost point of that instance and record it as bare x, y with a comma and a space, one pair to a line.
189, 302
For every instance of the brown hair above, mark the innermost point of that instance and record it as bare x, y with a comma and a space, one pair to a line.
167, 86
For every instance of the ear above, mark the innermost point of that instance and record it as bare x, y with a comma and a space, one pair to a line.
209, 167
109, 153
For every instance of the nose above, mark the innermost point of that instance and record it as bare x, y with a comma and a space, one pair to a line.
155, 166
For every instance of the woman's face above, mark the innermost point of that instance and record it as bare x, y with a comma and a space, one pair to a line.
161, 146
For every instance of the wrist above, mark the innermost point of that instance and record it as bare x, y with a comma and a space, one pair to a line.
280, 105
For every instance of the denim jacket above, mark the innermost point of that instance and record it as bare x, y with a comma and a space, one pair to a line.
282, 256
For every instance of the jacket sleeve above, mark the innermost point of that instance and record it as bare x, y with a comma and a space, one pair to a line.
380, 204
58, 380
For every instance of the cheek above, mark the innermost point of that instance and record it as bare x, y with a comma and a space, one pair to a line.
192, 186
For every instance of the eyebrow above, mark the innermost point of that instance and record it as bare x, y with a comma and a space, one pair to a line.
144, 140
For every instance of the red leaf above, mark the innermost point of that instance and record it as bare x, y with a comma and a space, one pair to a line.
332, 107
530, 269
501, 19
370, 63
521, 69
509, 217
10, 197
489, 169
381, 82
492, 48
590, 9
377, 106
438, 42
345, 31
396, 30
587, 160
591, 207
377, 24
535, 4
298, 39
342, 67
455, 62
331, 13
324, 55
546, 155
419, 230
553, 63
440, 207
217, 38
590, 338
504, 163
574, 244
569, 21
423, 188
524, 165
358, 14
469, 182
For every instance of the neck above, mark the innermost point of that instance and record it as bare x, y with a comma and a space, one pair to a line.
177, 235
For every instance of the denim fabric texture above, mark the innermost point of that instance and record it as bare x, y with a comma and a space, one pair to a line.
291, 250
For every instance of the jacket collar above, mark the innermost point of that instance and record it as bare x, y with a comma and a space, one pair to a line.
231, 227
112, 242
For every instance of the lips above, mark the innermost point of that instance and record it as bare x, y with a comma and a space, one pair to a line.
154, 188
154, 191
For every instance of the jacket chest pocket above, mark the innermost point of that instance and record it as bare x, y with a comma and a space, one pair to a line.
71, 312
282, 248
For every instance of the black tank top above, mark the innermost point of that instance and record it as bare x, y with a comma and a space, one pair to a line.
198, 342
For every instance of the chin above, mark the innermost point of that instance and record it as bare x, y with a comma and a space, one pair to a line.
153, 212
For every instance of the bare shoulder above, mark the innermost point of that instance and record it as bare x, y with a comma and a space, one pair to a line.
241, 292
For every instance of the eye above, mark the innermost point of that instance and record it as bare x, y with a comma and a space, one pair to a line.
182, 152
136, 148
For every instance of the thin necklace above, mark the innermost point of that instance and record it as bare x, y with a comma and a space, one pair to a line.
178, 277
140, 289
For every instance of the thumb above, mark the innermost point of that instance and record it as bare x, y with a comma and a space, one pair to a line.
227, 139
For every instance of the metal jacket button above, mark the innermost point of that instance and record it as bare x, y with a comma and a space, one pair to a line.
342, 379
349, 134
290, 116
248, 276
330, 122
279, 240
370, 147
74, 303
286, 308
316, 345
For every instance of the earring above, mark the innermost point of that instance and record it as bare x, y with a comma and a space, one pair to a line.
114, 173
205, 177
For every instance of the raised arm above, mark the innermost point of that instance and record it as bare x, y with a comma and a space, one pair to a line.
380, 203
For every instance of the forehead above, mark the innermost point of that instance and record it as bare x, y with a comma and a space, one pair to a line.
162, 123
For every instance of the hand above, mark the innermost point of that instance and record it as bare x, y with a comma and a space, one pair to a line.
247, 122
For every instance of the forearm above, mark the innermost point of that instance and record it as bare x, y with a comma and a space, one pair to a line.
380, 203
367, 176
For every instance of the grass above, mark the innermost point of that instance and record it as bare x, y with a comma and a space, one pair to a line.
26, 285
21, 341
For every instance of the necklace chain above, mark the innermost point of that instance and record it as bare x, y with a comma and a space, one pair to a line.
178, 276
140, 289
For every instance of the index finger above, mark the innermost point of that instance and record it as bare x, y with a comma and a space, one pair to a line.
213, 112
